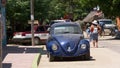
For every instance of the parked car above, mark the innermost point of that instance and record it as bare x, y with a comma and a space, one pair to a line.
67, 40
117, 36
40, 35
109, 26
59, 21
117, 33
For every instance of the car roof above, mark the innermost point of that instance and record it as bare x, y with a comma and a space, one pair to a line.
65, 23
104, 20
58, 20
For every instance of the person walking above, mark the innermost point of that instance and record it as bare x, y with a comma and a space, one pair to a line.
102, 32
95, 29
88, 32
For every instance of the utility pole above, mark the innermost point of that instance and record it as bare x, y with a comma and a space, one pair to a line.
0, 41
3, 16
0, 38
32, 20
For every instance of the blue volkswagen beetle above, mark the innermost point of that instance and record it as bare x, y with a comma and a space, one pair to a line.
67, 40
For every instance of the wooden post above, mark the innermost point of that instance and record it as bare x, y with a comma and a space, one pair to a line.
32, 20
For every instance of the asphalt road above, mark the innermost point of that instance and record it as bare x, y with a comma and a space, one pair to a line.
106, 56
110, 43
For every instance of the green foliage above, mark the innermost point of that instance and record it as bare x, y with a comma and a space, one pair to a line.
17, 10
45, 10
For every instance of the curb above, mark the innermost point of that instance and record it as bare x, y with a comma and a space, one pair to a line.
36, 61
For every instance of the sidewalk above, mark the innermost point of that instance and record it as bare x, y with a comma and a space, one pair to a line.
21, 56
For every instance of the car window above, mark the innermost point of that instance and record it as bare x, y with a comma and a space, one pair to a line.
40, 29
47, 27
66, 29
28, 28
107, 22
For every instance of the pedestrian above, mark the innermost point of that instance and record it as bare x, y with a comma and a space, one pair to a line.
88, 32
95, 29
102, 32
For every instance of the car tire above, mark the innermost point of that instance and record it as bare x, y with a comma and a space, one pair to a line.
37, 41
87, 56
51, 58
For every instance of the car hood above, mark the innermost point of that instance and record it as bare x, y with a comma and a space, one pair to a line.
67, 38
68, 42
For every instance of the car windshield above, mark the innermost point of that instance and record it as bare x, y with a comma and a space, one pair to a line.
67, 29
107, 22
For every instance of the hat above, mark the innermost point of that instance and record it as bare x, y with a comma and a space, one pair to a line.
94, 22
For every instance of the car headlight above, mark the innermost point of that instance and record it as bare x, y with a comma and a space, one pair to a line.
83, 46
54, 47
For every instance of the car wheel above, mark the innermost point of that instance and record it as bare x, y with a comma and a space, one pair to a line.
87, 56
37, 41
51, 58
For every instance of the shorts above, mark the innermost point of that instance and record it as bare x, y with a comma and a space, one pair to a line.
94, 36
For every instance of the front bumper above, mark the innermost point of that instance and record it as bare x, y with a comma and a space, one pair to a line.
63, 54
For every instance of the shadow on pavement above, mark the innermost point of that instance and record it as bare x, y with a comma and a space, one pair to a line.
44, 52
73, 59
108, 38
6, 65
112, 39
16, 49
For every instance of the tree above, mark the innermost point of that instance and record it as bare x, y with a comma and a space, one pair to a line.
18, 11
